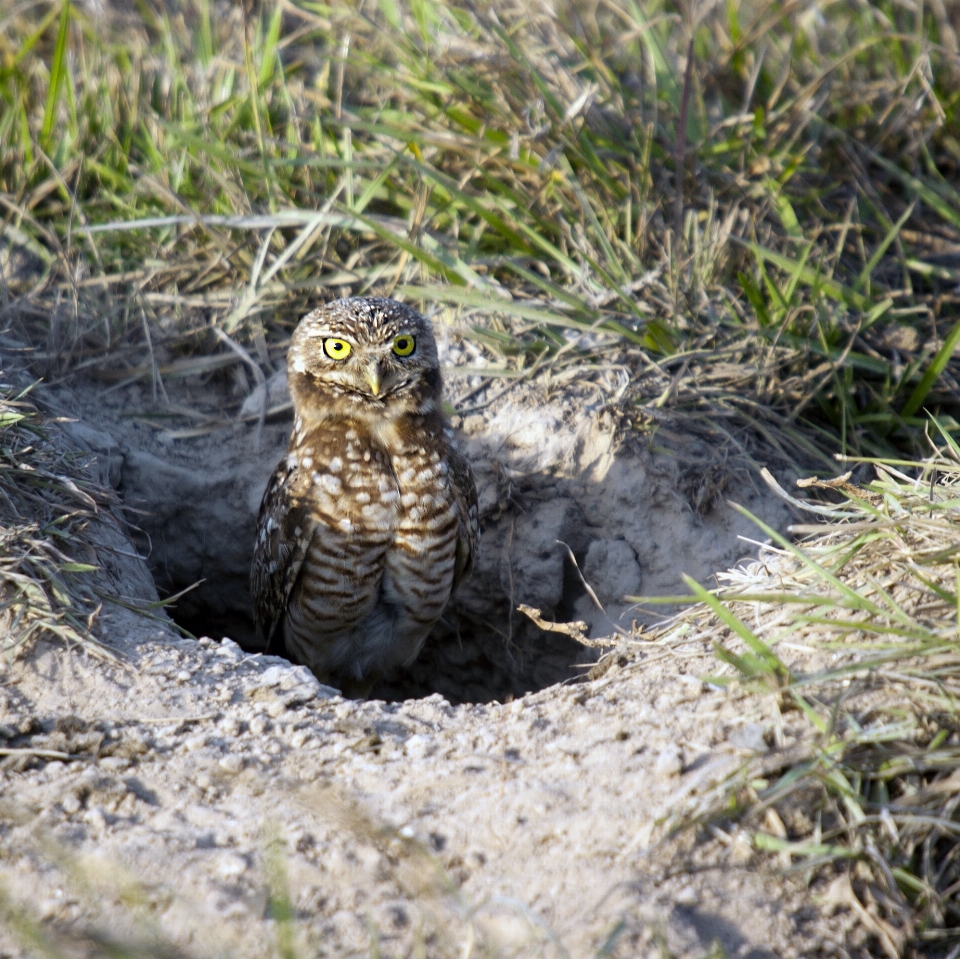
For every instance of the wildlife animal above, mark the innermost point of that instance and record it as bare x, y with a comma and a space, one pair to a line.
370, 522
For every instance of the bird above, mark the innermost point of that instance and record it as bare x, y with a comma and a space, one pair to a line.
370, 522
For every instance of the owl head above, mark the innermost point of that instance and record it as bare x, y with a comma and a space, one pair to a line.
365, 357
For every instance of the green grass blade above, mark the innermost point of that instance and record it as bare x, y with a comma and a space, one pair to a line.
878, 254
932, 374
788, 216
857, 601
269, 55
926, 193
797, 274
472, 203
279, 901
391, 10
753, 294
546, 92
58, 71
771, 663
27, 46
482, 302
834, 289
948, 439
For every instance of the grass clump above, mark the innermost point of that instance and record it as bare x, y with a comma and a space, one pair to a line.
740, 217
47, 546
852, 637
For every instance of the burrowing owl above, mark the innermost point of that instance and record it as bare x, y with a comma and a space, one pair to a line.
370, 522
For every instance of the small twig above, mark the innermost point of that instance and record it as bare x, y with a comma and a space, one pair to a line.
799, 503
586, 585
179, 719
42, 753
228, 341
269, 414
838, 482
258, 377
589, 589
156, 379
576, 630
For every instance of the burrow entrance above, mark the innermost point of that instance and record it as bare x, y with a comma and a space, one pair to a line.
554, 480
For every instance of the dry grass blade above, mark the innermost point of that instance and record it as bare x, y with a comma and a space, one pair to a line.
46, 508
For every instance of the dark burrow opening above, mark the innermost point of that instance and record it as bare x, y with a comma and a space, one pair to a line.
557, 479
196, 529
463, 660
555, 482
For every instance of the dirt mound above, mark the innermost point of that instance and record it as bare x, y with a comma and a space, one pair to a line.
189, 780
233, 801
567, 499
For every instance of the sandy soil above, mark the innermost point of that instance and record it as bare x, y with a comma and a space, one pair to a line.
531, 824
166, 797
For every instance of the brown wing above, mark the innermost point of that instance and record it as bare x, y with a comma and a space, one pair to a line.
468, 526
284, 530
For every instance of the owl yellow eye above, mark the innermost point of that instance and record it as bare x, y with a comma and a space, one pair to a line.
336, 349
404, 344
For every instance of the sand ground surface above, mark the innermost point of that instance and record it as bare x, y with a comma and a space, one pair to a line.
530, 824
498, 800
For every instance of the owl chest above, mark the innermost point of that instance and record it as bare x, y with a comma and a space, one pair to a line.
371, 496
427, 502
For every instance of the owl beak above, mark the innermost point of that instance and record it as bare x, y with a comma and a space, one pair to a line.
372, 376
